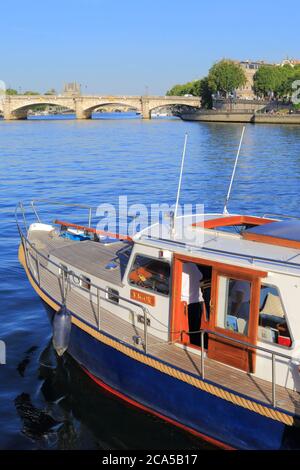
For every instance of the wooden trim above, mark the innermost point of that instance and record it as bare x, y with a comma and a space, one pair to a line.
179, 319
232, 220
177, 315
226, 268
235, 355
222, 350
93, 230
256, 237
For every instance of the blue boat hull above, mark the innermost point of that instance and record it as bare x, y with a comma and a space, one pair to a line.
196, 410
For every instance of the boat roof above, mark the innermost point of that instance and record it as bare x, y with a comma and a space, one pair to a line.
283, 232
267, 243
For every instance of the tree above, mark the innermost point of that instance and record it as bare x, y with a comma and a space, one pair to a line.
189, 88
31, 93
52, 91
270, 79
205, 93
225, 77
11, 91
289, 86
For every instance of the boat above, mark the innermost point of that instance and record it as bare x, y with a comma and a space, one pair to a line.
159, 114
238, 385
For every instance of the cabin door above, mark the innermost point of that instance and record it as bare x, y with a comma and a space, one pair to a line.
234, 313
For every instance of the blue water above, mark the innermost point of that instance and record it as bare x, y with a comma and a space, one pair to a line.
50, 404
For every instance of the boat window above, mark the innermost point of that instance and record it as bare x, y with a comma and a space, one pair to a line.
151, 274
233, 310
85, 282
272, 327
113, 295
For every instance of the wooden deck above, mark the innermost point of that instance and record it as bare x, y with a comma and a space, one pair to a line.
87, 255
223, 375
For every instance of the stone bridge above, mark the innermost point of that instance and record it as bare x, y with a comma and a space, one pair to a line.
17, 106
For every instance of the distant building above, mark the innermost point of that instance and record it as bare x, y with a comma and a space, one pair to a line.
72, 89
291, 62
250, 68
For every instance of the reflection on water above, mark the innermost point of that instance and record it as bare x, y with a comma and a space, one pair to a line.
24, 363
77, 414
45, 403
37, 424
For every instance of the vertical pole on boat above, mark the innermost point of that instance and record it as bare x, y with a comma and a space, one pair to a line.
38, 269
34, 210
63, 287
98, 307
273, 380
179, 183
202, 354
225, 211
24, 241
24, 216
145, 330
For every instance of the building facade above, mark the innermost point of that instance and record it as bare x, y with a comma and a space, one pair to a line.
72, 89
250, 68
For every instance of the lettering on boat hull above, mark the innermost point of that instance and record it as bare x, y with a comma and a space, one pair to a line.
142, 297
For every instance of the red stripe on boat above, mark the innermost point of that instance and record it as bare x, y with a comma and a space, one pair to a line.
149, 410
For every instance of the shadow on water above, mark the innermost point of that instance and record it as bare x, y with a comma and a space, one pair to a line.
22, 366
36, 423
77, 414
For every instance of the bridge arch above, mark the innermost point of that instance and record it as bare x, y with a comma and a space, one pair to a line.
89, 111
20, 110
174, 107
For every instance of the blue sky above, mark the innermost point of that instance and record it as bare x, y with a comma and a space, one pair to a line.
122, 47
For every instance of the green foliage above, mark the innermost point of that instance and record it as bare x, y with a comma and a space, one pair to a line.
190, 88
225, 77
52, 91
205, 93
31, 93
11, 91
288, 86
195, 88
274, 79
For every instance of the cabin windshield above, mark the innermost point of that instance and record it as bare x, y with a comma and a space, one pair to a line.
151, 274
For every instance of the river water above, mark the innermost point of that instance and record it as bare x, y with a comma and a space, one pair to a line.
50, 404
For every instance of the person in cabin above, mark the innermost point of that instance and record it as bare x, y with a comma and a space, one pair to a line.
191, 294
240, 299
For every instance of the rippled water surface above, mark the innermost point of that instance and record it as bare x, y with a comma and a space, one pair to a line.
45, 403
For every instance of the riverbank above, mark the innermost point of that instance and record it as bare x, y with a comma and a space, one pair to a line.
242, 117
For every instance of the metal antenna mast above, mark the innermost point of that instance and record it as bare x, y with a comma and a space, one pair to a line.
180, 179
225, 211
